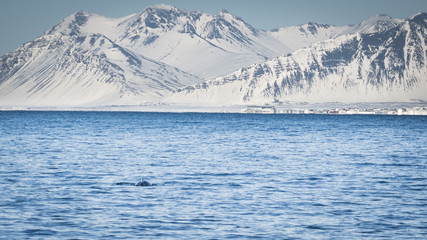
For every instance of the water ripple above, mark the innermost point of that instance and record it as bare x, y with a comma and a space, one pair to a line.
72, 175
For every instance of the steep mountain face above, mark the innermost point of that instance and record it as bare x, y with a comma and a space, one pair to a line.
91, 60
202, 44
297, 37
88, 59
83, 69
375, 24
389, 65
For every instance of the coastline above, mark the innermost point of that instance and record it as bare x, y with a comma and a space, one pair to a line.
396, 108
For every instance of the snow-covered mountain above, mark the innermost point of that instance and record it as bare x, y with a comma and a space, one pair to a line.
92, 60
83, 69
297, 37
201, 44
386, 65
89, 59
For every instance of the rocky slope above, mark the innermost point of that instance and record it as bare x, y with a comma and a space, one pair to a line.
69, 70
92, 60
389, 65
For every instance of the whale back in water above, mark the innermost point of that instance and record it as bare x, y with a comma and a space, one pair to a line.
140, 183
143, 183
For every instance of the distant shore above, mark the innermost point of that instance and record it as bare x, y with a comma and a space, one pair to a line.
414, 108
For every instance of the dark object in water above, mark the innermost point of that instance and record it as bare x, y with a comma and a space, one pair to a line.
143, 183
140, 183
125, 184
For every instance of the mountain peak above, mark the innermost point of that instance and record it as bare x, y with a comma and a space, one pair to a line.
142, 55
164, 7
381, 16
377, 23
227, 15
351, 68
81, 17
158, 16
317, 25
161, 8
71, 25
418, 20
420, 15
224, 11
312, 27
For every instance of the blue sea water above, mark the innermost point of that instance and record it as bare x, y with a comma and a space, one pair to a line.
70, 175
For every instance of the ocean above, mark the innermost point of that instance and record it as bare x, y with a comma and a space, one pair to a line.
72, 175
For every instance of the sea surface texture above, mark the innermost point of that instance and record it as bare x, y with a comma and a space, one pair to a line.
72, 175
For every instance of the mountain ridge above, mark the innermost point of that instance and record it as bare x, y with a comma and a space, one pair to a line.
89, 59
58, 68
307, 34
385, 66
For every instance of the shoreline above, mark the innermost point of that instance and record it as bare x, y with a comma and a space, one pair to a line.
398, 109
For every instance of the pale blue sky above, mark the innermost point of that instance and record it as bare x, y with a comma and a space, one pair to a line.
24, 20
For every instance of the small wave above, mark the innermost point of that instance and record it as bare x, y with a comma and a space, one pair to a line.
37, 232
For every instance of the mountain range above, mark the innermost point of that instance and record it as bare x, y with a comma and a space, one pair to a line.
384, 66
173, 56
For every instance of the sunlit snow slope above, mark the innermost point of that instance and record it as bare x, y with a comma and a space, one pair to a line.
88, 59
297, 37
383, 66
73, 68
202, 44
92, 60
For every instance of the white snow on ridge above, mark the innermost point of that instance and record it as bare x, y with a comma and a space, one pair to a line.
92, 60
350, 68
88, 70
109, 27
297, 37
201, 44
